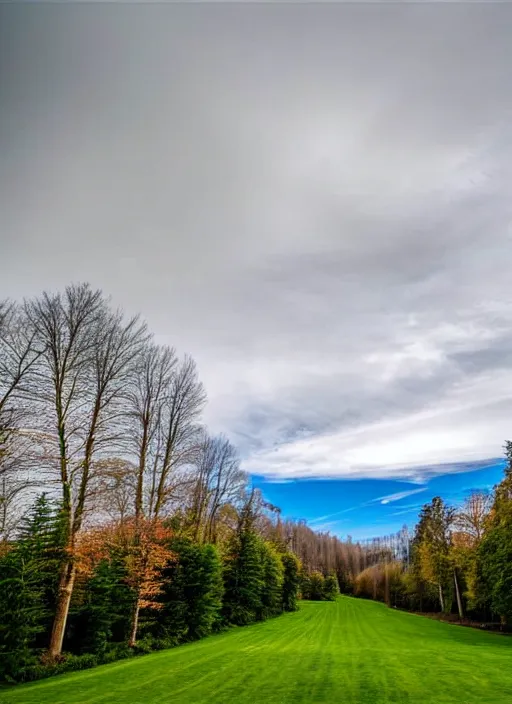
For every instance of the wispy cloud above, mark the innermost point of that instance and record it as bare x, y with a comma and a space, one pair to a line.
399, 495
338, 513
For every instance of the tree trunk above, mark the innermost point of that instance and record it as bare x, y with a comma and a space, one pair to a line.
65, 590
135, 624
441, 597
386, 586
457, 592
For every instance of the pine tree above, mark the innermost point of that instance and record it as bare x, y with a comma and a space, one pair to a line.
243, 579
21, 612
43, 536
100, 617
27, 588
272, 594
192, 592
291, 581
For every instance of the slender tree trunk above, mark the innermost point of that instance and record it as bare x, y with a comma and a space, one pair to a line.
65, 591
135, 624
441, 597
386, 586
457, 592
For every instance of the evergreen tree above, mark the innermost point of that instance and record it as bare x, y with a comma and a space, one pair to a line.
272, 594
28, 583
291, 581
100, 617
192, 592
21, 610
42, 534
243, 578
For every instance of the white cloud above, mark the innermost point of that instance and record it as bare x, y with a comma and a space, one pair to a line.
399, 495
319, 212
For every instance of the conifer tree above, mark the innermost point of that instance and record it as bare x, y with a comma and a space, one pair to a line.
27, 587
291, 581
192, 591
243, 578
272, 594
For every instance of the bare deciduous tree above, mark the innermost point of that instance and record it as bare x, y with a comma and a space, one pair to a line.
218, 481
88, 351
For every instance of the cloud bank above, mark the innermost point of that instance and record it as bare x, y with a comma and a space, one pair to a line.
314, 201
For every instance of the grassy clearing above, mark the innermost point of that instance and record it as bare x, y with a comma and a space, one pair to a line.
346, 652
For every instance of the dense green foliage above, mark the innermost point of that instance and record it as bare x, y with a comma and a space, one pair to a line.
28, 581
192, 592
291, 581
350, 651
316, 587
200, 588
331, 588
243, 579
156, 536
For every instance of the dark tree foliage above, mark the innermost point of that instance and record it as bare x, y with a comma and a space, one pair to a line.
291, 581
28, 582
272, 593
100, 616
21, 610
192, 594
244, 579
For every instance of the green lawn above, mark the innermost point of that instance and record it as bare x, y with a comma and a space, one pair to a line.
346, 652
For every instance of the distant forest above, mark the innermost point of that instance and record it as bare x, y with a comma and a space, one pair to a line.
126, 527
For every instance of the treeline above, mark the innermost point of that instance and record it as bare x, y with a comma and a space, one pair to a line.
459, 560
124, 525
137, 589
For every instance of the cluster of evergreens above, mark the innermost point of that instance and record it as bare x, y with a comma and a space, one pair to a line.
190, 590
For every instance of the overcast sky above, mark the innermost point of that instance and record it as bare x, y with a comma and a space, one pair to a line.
314, 201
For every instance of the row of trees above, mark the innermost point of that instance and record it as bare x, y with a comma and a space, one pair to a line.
124, 525
181, 589
459, 560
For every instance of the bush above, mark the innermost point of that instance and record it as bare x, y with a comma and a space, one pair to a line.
331, 588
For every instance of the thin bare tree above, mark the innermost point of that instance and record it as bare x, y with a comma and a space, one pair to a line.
218, 481
89, 352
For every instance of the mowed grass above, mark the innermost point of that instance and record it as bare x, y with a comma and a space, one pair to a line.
346, 652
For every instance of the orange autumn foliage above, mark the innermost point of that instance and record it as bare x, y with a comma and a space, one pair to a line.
141, 545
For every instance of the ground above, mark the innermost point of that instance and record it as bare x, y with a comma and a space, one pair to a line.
345, 652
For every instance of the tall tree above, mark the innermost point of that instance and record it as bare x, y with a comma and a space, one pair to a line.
192, 591
80, 386
432, 543
291, 581
217, 481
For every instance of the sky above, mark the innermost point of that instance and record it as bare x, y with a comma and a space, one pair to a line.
313, 200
